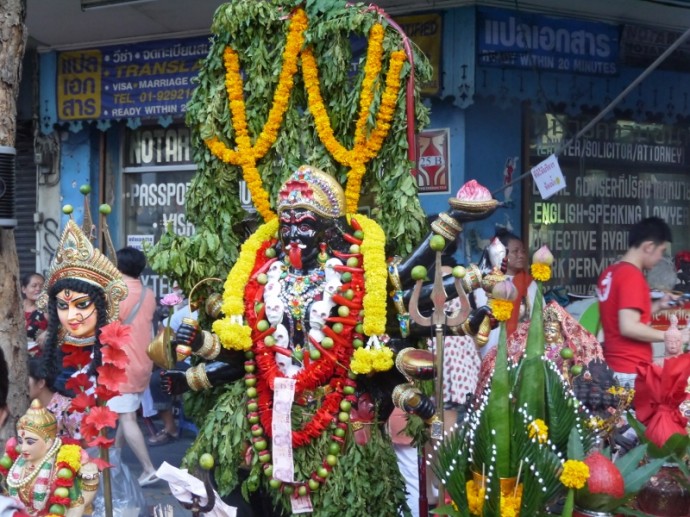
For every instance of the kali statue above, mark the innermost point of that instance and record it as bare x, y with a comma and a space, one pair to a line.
47, 476
305, 326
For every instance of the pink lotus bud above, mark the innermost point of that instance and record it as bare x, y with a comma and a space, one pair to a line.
171, 299
505, 290
543, 256
473, 191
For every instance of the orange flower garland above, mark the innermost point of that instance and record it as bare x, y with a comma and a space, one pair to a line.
246, 156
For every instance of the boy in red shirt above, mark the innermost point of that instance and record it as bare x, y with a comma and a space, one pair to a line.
625, 301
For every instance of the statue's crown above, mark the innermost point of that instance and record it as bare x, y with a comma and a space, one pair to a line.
314, 190
39, 421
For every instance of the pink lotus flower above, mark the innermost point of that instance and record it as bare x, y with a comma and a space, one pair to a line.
171, 299
543, 256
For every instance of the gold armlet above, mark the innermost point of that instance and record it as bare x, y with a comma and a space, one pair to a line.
397, 296
446, 226
197, 378
211, 346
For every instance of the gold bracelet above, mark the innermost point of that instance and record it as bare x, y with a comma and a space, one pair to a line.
446, 226
207, 347
89, 488
197, 378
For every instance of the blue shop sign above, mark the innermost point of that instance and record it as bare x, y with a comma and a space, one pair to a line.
534, 41
144, 80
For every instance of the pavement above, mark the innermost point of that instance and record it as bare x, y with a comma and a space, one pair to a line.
158, 493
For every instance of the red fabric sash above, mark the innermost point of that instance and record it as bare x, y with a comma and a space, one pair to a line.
522, 280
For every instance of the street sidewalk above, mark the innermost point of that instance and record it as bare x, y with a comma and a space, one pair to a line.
172, 452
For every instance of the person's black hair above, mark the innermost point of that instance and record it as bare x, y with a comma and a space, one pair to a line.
40, 370
131, 261
505, 236
4, 380
52, 352
26, 278
652, 229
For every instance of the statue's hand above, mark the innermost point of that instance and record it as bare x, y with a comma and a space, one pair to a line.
189, 335
462, 216
424, 407
476, 317
174, 382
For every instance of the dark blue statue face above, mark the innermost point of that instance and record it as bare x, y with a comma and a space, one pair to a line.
300, 232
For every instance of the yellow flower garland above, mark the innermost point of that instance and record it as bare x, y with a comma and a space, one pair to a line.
575, 474
364, 149
376, 273
541, 272
502, 309
246, 156
233, 334
372, 69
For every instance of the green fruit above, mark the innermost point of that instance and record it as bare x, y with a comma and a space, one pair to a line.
354, 249
322, 472
353, 262
302, 491
288, 489
459, 272
345, 405
314, 485
359, 234
85, 189
274, 483
61, 491
349, 390
418, 273
567, 353
105, 209
340, 433
206, 461
67, 209
5, 461
65, 473
57, 509
254, 419
249, 368
260, 445
270, 252
298, 354
264, 458
576, 369
357, 343
349, 294
314, 355
268, 470
332, 460
269, 341
437, 243
251, 392
344, 417
333, 448
263, 326
359, 328
327, 343
346, 277
262, 278
337, 328
343, 311
257, 430
252, 406
250, 382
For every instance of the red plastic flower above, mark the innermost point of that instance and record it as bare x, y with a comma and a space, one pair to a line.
79, 383
111, 376
101, 441
100, 417
82, 402
101, 464
114, 334
115, 356
77, 358
88, 431
104, 394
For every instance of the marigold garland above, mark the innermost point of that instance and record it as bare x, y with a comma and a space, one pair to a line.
541, 272
373, 250
364, 149
502, 309
247, 156
575, 474
233, 334
71, 455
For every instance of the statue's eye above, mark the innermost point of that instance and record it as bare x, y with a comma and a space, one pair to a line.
84, 304
61, 305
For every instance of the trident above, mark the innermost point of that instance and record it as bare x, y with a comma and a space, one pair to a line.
439, 319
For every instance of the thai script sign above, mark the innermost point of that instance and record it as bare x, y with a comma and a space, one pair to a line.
144, 80
528, 40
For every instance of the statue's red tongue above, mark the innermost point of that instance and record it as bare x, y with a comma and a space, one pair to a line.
295, 254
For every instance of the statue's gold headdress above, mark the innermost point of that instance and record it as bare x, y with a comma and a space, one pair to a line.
77, 258
38, 420
312, 189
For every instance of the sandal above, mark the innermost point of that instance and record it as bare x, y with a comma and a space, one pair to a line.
148, 479
162, 437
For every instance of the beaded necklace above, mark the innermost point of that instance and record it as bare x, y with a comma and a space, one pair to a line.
298, 292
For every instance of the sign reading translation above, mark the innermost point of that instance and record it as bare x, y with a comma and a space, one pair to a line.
144, 80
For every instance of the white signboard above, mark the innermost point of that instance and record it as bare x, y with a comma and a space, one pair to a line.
548, 177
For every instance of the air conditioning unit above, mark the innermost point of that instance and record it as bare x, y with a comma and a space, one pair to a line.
7, 190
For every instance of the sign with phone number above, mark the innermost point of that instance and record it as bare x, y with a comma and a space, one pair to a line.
144, 80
